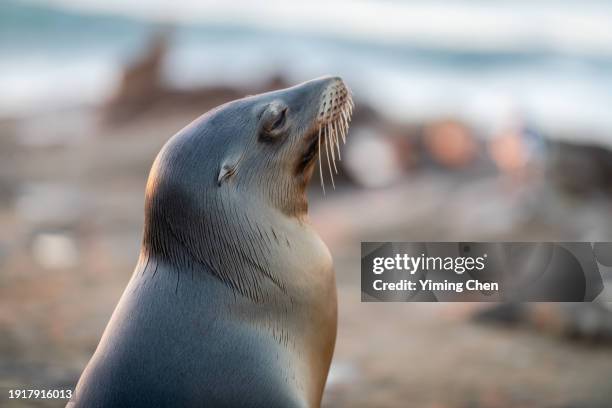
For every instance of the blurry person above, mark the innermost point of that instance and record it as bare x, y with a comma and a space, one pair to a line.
518, 151
450, 143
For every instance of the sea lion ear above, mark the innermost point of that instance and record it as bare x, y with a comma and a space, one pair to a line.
228, 168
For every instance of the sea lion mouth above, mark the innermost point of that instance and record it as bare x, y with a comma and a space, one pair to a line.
331, 126
311, 152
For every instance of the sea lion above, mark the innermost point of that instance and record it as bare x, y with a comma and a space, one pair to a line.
233, 300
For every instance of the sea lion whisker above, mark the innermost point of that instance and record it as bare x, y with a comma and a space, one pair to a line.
344, 125
320, 167
330, 133
331, 174
336, 137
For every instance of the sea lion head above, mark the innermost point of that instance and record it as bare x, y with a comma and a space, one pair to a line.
263, 146
277, 138
240, 159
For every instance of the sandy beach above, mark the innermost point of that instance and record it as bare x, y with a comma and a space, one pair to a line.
72, 220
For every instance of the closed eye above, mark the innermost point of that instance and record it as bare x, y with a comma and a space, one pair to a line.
280, 120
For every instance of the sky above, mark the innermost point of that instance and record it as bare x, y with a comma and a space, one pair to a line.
583, 27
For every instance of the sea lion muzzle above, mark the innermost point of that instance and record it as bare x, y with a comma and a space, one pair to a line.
330, 127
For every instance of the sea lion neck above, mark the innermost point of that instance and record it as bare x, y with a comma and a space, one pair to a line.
219, 234
290, 199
